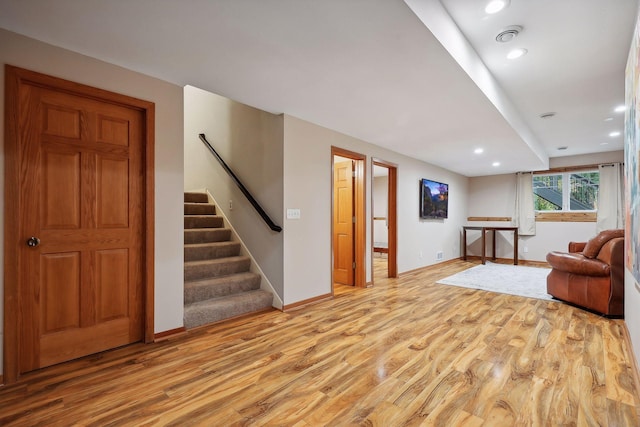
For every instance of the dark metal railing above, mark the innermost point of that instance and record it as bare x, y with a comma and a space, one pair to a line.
242, 188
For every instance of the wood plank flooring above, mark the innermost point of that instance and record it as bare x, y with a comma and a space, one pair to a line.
405, 352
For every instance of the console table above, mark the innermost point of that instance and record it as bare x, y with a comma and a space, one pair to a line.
493, 230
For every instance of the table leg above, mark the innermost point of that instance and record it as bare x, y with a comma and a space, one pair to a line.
484, 246
515, 247
464, 244
493, 246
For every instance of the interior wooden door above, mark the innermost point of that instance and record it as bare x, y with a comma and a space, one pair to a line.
392, 215
81, 210
343, 247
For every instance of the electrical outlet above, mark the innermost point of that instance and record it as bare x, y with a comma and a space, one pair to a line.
420, 254
525, 249
230, 205
439, 256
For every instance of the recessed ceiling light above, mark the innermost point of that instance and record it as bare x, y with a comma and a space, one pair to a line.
608, 119
564, 147
619, 108
495, 164
517, 53
478, 150
604, 143
495, 6
613, 134
547, 115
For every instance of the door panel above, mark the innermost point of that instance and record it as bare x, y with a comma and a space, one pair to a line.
112, 267
343, 248
113, 130
60, 292
82, 195
61, 190
61, 121
112, 192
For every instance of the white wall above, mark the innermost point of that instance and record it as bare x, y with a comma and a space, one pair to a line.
587, 159
631, 311
307, 186
250, 141
495, 196
631, 286
31, 54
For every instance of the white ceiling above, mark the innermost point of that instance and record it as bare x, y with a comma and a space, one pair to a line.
371, 68
577, 52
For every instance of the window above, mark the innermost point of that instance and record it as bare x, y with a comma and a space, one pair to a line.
567, 191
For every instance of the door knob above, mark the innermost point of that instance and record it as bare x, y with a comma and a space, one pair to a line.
33, 242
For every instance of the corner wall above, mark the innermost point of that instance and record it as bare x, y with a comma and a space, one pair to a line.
251, 142
307, 186
28, 53
495, 195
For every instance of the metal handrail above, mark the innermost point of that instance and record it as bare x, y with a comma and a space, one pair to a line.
272, 225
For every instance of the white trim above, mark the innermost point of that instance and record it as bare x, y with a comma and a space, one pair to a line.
265, 284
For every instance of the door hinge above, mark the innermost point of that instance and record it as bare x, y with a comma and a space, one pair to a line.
353, 219
353, 174
354, 265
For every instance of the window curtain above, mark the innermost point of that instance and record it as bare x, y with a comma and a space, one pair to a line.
525, 215
610, 198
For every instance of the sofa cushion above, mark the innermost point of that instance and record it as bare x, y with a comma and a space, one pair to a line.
594, 245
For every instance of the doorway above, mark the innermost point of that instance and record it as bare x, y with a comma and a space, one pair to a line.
384, 222
347, 218
78, 221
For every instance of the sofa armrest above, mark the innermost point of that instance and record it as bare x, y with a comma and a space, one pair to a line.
577, 264
576, 246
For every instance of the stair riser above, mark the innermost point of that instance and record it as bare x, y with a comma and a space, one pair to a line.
200, 253
203, 222
207, 236
204, 271
196, 198
199, 209
223, 309
218, 284
202, 293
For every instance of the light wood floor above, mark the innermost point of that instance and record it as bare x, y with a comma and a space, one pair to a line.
405, 352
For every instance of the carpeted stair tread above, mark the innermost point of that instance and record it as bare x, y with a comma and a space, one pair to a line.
216, 309
213, 250
206, 235
220, 286
203, 221
193, 197
197, 270
199, 209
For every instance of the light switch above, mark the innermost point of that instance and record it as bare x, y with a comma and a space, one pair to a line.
293, 213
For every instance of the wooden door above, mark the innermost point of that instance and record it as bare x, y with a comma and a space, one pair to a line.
392, 222
343, 247
81, 192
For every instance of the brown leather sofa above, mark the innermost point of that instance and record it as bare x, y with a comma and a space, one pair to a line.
591, 275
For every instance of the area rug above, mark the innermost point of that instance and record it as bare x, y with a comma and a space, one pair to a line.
528, 282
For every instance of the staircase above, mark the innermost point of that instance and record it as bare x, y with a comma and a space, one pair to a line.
218, 284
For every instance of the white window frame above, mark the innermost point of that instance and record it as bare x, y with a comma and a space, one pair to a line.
566, 190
